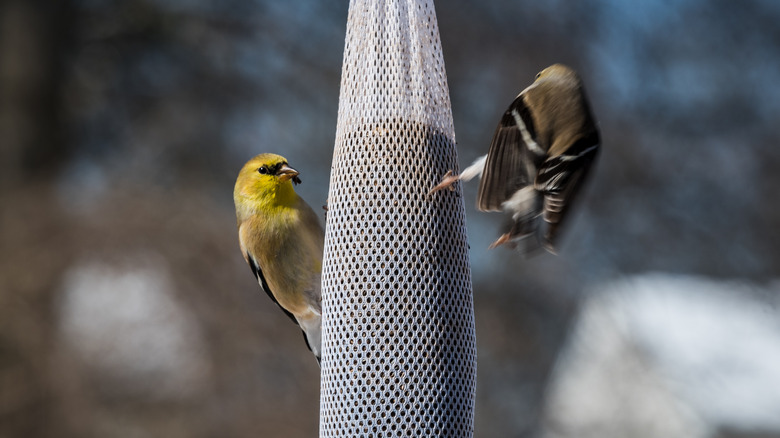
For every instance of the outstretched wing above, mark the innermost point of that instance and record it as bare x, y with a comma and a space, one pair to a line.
512, 159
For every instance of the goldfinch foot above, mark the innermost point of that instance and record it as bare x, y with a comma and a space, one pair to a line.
500, 241
446, 182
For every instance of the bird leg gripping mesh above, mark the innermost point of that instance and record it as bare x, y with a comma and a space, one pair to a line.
399, 349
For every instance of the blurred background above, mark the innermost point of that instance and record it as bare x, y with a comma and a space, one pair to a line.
126, 309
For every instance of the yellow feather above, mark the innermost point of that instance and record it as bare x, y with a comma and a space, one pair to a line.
282, 234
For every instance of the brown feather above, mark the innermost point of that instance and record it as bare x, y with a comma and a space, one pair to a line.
541, 152
509, 166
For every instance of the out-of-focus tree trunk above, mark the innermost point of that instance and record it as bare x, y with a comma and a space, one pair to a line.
34, 38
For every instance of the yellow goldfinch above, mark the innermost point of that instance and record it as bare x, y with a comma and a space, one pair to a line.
282, 241
540, 155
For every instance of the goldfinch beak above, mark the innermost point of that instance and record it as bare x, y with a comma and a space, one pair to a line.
286, 172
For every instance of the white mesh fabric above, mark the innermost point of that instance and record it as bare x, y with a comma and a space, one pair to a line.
399, 350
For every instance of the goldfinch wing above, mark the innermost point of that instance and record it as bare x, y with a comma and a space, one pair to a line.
560, 179
264, 285
511, 161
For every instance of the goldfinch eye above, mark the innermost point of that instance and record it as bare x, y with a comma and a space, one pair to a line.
538, 75
263, 170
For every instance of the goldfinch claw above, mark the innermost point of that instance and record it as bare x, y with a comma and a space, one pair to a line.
500, 241
446, 182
